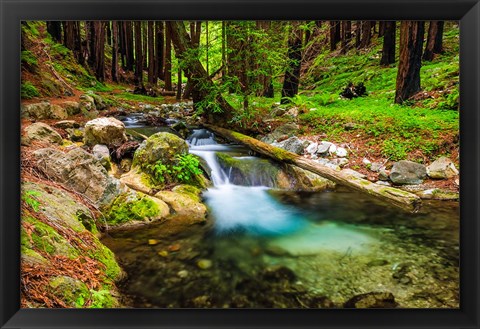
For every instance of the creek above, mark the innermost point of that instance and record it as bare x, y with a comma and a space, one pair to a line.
267, 247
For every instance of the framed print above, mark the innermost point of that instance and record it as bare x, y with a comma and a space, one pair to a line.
238, 163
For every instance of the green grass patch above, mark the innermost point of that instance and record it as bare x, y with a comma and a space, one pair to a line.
126, 96
28, 90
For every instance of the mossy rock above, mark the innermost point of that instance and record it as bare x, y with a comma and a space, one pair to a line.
140, 181
72, 291
185, 205
296, 178
136, 207
192, 191
161, 147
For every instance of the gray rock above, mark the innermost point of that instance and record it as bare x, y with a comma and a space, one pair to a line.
293, 144
102, 154
442, 168
41, 132
287, 129
277, 112
383, 174
75, 135
407, 172
79, 171
323, 148
312, 148
341, 152
107, 131
376, 166
341, 162
99, 102
384, 183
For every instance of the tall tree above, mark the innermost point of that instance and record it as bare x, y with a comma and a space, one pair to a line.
334, 34
203, 87
408, 75
434, 40
346, 35
366, 34
159, 49
54, 28
115, 33
292, 72
388, 50
167, 75
358, 33
138, 56
151, 54
99, 65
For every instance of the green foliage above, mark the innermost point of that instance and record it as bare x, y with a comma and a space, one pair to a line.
28, 90
30, 198
29, 58
394, 150
184, 169
139, 98
101, 298
125, 209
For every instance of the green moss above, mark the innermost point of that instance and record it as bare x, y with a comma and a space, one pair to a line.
192, 191
107, 258
28, 90
29, 58
126, 208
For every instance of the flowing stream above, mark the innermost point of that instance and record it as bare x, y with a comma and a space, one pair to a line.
265, 247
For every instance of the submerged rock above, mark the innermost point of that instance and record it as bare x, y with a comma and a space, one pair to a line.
407, 172
442, 168
372, 300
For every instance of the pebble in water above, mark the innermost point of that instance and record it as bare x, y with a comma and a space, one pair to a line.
204, 264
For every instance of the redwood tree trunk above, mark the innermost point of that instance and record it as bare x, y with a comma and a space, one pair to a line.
138, 55
432, 40
388, 51
202, 85
99, 67
159, 49
366, 34
346, 35
54, 28
438, 47
115, 51
292, 73
408, 76
168, 58
334, 34
151, 54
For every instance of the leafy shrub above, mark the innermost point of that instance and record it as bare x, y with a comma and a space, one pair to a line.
184, 170
28, 90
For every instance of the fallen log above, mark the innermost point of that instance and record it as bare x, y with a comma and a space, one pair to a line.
401, 199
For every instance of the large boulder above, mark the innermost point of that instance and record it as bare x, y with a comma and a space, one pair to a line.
79, 171
41, 132
102, 154
185, 205
161, 147
107, 131
44, 110
442, 168
407, 172
67, 233
71, 107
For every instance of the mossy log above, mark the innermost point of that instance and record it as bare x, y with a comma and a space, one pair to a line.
404, 200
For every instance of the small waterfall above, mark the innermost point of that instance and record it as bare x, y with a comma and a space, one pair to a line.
201, 137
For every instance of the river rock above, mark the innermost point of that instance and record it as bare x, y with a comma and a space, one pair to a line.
162, 147
87, 103
438, 194
442, 168
372, 300
41, 132
298, 179
293, 144
102, 154
184, 205
74, 134
287, 129
341, 162
204, 264
108, 131
341, 152
79, 171
376, 166
98, 101
407, 172
323, 148
312, 148
383, 174
44, 110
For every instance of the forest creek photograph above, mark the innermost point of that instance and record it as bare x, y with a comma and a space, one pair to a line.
240, 164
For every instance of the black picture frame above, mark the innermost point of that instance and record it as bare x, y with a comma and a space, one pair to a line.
14, 11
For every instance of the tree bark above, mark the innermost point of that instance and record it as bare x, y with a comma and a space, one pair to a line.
388, 50
138, 55
403, 200
114, 51
292, 73
179, 84
358, 33
151, 54
168, 58
129, 48
366, 34
99, 66
434, 41
159, 49
408, 76
202, 85
346, 35
334, 34
54, 28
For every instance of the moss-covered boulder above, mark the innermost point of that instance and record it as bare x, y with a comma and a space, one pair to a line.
161, 147
184, 204
40, 132
139, 180
59, 240
133, 207
80, 171
44, 110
